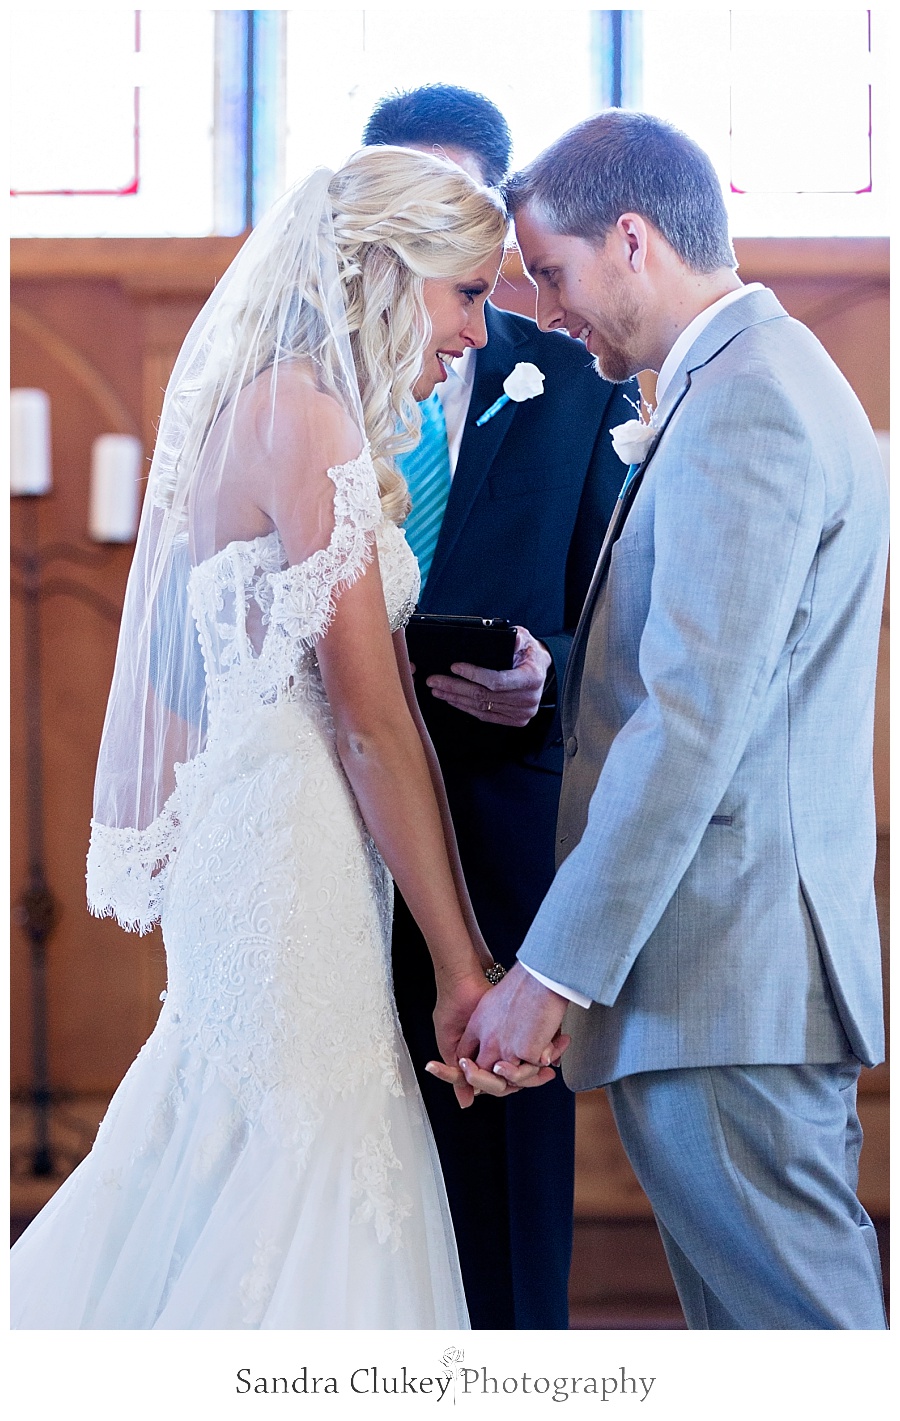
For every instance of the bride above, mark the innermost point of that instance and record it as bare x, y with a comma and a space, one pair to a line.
263, 774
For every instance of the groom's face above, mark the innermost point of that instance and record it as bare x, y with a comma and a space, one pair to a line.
583, 288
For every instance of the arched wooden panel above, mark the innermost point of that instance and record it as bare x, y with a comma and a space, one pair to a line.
118, 417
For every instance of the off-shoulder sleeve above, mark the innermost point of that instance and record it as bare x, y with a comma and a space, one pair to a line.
306, 593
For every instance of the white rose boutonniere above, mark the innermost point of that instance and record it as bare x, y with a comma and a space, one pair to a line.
522, 383
633, 440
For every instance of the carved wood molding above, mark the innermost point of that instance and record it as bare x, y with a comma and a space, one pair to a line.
143, 266
844, 297
117, 416
183, 265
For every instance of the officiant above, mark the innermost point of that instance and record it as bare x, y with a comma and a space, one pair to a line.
508, 517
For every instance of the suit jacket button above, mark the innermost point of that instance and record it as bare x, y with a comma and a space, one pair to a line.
571, 746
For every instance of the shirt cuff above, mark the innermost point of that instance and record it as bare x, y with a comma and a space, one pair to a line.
569, 993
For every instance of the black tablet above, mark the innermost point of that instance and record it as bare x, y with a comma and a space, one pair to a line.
436, 642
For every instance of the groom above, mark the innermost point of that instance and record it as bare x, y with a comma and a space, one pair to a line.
713, 912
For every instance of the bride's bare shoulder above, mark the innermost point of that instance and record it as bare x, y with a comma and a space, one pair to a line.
291, 412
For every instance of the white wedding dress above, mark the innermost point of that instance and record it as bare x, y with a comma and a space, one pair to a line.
267, 1161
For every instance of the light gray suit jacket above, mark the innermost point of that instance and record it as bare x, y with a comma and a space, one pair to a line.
716, 836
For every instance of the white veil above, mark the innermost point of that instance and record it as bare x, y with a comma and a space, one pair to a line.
281, 299
324, 304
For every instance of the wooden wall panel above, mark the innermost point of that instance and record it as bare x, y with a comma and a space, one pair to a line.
83, 345
98, 325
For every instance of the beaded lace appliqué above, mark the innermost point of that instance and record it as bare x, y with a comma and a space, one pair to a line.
373, 1182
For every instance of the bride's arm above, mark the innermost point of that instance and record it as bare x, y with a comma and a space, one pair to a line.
437, 781
388, 768
481, 1081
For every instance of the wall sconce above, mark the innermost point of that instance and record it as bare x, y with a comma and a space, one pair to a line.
29, 442
116, 465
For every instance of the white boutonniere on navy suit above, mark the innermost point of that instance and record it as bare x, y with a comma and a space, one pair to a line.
523, 382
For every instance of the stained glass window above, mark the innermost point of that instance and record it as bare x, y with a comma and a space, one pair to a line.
76, 115
790, 105
801, 103
111, 121
186, 122
536, 69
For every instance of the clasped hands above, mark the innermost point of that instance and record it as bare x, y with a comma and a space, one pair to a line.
511, 1042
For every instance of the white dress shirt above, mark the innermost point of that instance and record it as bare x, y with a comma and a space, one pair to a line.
663, 380
455, 393
691, 332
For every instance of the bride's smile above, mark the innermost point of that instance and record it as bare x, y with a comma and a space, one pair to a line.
456, 310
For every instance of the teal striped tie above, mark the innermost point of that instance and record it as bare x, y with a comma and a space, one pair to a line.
427, 472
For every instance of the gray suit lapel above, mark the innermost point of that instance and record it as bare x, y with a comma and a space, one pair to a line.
752, 309
572, 678
603, 558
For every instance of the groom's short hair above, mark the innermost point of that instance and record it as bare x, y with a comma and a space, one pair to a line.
444, 113
622, 161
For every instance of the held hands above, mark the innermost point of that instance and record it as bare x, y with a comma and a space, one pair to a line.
504, 1047
499, 697
456, 1002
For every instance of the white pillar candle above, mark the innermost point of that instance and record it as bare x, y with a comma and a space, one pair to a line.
116, 468
29, 441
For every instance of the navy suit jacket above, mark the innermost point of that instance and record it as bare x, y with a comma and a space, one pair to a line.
530, 500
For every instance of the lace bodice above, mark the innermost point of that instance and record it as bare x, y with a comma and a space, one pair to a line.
258, 620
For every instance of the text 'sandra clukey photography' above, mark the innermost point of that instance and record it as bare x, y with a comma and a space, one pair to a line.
452, 1380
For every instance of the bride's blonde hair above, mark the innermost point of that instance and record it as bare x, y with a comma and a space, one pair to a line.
334, 275
401, 217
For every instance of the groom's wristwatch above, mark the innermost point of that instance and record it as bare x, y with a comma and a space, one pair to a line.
495, 973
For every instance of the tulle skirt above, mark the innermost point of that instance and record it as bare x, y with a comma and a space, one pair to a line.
267, 1161
210, 1222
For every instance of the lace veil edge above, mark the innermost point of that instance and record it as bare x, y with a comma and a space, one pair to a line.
127, 869
282, 297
